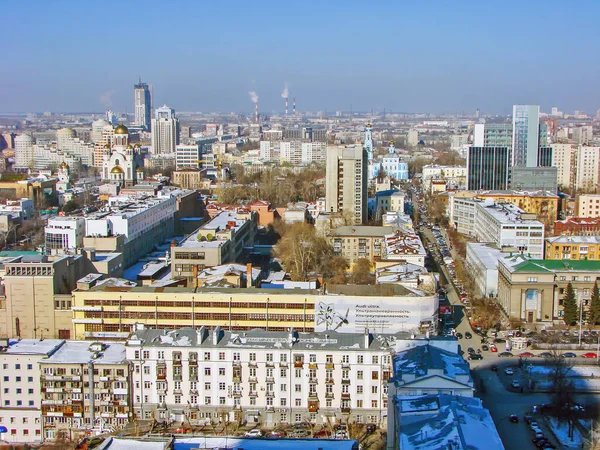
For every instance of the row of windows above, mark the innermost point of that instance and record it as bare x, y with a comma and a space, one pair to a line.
199, 304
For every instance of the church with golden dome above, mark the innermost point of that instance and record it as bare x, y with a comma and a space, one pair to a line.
122, 163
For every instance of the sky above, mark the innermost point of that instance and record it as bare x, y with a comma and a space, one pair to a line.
404, 56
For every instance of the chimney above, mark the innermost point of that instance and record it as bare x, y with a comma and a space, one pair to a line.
294, 106
249, 275
256, 112
216, 335
286, 106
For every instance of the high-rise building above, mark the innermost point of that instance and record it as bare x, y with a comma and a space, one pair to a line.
142, 105
24, 151
165, 131
346, 181
412, 138
487, 168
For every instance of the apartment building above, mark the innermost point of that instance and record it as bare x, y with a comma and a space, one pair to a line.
85, 386
577, 226
578, 166
544, 204
20, 393
533, 290
64, 234
355, 242
404, 245
389, 201
454, 175
573, 247
482, 263
200, 375
219, 241
588, 205
347, 182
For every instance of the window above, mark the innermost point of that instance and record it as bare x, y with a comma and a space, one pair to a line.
359, 389
373, 403
252, 357
359, 403
207, 400
207, 371
221, 386
298, 403
282, 401
298, 388
269, 357
29, 366
283, 372
375, 359
359, 375
17, 366
360, 359
222, 371
283, 387
221, 356
375, 375
206, 356
374, 389
532, 279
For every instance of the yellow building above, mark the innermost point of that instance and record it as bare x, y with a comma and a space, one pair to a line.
543, 204
573, 247
110, 310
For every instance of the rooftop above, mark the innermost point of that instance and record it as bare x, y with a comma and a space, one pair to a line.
33, 346
507, 213
418, 361
224, 220
574, 240
80, 352
488, 254
238, 443
551, 266
361, 230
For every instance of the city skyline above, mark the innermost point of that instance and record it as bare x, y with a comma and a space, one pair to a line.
437, 58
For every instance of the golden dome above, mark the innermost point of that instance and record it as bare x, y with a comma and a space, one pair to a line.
129, 147
107, 146
64, 165
116, 169
139, 169
368, 125
121, 129
392, 142
137, 146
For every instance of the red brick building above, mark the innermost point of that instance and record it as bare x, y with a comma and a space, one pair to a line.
579, 226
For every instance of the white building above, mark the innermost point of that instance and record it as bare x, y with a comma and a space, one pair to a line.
205, 375
314, 152
583, 134
404, 245
122, 163
187, 156
588, 205
64, 234
412, 139
578, 166
20, 394
23, 151
389, 201
506, 225
23, 208
454, 175
482, 263
165, 131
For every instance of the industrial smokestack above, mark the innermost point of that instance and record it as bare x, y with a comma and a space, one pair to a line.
294, 106
285, 94
256, 112
286, 106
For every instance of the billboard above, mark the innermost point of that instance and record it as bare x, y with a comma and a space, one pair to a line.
352, 314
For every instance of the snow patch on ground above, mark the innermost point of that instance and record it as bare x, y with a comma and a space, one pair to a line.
561, 431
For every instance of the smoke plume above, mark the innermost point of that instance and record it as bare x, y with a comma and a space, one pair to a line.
286, 91
253, 96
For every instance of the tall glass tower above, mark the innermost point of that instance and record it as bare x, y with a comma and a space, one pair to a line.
526, 132
142, 105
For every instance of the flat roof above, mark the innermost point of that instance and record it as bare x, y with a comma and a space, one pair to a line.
33, 346
218, 223
487, 254
78, 352
361, 230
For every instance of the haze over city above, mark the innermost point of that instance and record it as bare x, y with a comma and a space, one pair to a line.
435, 57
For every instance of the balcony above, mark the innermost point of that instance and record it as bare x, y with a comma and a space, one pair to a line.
193, 362
236, 379
345, 365
345, 410
193, 377
346, 396
193, 391
252, 380
237, 393
312, 396
270, 380
312, 365
283, 364
252, 364
105, 378
329, 395
329, 381
237, 364
345, 380
298, 364
177, 376
177, 392
176, 362
313, 380
270, 394
270, 364
253, 394
329, 366
161, 376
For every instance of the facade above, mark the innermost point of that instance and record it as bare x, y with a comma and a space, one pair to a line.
588, 206
389, 201
573, 247
488, 167
22, 208
544, 204
453, 175
412, 138
142, 104
219, 241
85, 386
346, 182
533, 290
20, 393
188, 179
577, 165
392, 164
534, 178
187, 156
64, 234
205, 375
165, 131
122, 163
525, 135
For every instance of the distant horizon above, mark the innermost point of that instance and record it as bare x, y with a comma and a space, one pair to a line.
437, 57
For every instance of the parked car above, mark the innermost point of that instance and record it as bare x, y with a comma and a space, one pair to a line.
276, 434
485, 348
300, 433
493, 349
471, 350
528, 418
509, 371
545, 355
568, 355
341, 434
533, 425
253, 433
475, 356
458, 335
589, 355
514, 418
505, 355
516, 384
526, 355
322, 434
494, 368
468, 335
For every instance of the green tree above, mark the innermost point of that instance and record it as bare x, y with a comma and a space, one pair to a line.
594, 314
570, 306
361, 272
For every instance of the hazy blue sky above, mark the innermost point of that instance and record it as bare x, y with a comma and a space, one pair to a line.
430, 56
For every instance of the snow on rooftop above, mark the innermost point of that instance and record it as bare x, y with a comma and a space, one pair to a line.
33, 346
79, 352
263, 444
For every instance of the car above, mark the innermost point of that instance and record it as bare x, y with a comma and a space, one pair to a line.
539, 434
341, 434
300, 434
494, 368
568, 355
545, 355
516, 384
322, 434
534, 425
468, 335
471, 350
505, 355
276, 434
514, 418
540, 442
509, 371
526, 355
590, 355
370, 428
458, 335
475, 356
485, 348
528, 418
549, 445
253, 433
493, 349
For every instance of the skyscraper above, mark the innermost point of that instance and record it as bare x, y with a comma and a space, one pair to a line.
487, 168
142, 105
346, 182
165, 131
526, 135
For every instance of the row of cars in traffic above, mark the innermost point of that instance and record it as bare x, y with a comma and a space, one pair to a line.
303, 430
